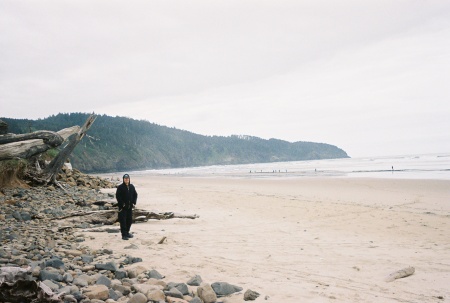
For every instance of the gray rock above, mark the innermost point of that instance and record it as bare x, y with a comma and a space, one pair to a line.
180, 286
124, 290
48, 275
25, 216
103, 281
78, 295
107, 251
195, 281
80, 282
250, 295
16, 215
121, 274
55, 263
224, 288
174, 292
114, 295
111, 266
68, 277
87, 258
196, 300
155, 274
131, 260
53, 286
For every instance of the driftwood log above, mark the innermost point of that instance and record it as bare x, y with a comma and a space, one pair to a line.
109, 217
28, 145
405, 272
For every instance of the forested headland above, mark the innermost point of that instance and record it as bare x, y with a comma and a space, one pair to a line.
124, 144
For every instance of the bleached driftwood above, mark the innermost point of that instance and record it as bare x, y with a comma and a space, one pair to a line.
109, 217
405, 272
28, 145
51, 171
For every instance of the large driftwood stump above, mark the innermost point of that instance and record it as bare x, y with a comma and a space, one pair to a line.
51, 171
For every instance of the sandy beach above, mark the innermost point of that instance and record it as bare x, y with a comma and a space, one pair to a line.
297, 240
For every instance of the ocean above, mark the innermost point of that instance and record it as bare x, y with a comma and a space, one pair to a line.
423, 166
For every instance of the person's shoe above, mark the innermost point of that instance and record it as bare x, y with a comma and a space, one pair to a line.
124, 238
130, 235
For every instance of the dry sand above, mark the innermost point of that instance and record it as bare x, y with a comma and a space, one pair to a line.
298, 240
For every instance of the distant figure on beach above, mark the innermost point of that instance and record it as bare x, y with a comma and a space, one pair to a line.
392, 167
126, 196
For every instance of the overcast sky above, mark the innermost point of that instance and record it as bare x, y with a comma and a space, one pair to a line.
372, 77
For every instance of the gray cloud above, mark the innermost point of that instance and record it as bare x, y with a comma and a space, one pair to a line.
367, 76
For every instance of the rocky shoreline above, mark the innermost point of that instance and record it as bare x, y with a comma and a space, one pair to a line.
43, 259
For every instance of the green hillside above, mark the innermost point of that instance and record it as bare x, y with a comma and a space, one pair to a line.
123, 144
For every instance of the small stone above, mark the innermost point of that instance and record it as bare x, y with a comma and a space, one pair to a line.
99, 292
138, 298
196, 300
68, 277
80, 282
156, 295
113, 295
195, 281
102, 280
175, 300
155, 274
174, 292
48, 275
250, 295
55, 263
123, 289
181, 287
111, 266
224, 288
53, 286
135, 271
120, 274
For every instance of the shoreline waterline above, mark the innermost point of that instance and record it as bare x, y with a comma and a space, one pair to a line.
420, 166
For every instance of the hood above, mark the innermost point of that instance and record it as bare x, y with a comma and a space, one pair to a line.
126, 176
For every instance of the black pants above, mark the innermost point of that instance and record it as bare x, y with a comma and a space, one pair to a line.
125, 219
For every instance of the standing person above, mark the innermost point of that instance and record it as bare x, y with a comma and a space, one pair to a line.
126, 196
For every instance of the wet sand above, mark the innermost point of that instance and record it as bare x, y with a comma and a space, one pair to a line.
298, 240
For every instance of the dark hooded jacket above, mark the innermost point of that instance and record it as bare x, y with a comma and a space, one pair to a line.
126, 195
